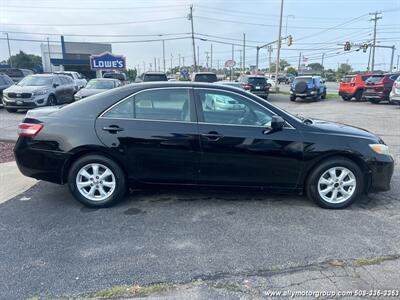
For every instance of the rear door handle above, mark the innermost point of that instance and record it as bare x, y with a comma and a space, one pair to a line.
113, 129
212, 136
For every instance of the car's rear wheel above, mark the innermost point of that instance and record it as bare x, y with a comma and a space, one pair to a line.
293, 98
11, 110
323, 96
51, 101
335, 183
358, 95
346, 98
97, 181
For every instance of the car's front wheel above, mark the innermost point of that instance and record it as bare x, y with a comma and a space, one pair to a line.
51, 101
335, 183
97, 181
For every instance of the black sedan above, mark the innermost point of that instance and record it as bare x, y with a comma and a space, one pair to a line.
165, 133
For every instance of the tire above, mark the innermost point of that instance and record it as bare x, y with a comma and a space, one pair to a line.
375, 101
112, 192
358, 95
316, 98
323, 96
346, 98
293, 98
52, 100
11, 110
315, 184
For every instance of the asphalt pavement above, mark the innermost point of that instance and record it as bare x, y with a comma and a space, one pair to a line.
53, 246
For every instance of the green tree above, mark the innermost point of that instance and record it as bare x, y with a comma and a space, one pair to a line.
282, 65
26, 61
130, 74
343, 69
291, 70
317, 67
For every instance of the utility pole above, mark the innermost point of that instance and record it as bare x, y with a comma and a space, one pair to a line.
144, 67
190, 17
257, 55
198, 57
183, 61
163, 54
207, 57
375, 20
211, 60
269, 59
172, 57
322, 60
397, 65
240, 59
392, 59
233, 52
179, 56
279, 46
244, 52
159, 65
9, 49
48, 49
155, 64
298, 68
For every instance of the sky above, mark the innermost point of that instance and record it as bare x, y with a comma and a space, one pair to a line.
136, 27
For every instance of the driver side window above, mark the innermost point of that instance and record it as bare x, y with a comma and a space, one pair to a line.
227, 108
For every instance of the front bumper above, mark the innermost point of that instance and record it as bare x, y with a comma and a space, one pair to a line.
25, 103
381, 172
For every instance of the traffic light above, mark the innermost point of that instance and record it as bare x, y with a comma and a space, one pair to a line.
347, 46
290, 40
365, 47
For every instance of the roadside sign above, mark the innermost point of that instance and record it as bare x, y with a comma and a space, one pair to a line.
230, 63
107, 61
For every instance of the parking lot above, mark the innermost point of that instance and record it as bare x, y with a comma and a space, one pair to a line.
53, 246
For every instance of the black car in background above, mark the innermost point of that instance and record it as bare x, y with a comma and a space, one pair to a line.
17, 74
257, 85
5, 82
204, 77
152, 76
114, 75
379, 86
165, 133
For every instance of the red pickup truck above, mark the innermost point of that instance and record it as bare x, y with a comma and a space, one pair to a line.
353, 86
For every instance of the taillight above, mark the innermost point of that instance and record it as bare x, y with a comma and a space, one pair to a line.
29, 130
352, 84
247, 86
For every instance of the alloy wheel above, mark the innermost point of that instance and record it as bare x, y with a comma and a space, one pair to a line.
95, 182
337, 185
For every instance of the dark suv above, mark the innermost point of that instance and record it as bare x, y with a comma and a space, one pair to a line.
152, 76
204, 77
256, 85
378, 87
5, 82
308, 87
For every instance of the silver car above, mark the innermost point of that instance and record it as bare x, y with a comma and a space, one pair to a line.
96, 86
79, 80
39, 90
395, 93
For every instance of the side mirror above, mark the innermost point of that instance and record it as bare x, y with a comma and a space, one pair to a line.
55, 85
277, 123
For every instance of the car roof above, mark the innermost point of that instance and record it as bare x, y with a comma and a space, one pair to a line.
154, 73
105, 79
206, 73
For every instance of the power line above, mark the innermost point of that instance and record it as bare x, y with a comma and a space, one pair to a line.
93, 8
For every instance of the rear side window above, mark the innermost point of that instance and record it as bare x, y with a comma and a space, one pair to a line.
257, 80
2, 81
205, 78
63, 80
375, 78
123, 110
155, 77
394, 77
365, 77
169, 104
15, 73
347, 79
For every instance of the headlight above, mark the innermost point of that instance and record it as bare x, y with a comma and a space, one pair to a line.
380, 148
40, 92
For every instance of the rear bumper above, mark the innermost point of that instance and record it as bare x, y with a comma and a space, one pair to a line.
305, 95
376, 95
381, 174
40, 164
260, 93
346, 94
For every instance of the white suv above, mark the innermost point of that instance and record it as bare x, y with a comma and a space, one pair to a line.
79, 80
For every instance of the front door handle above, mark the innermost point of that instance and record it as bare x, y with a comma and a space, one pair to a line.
212, 136
113, 129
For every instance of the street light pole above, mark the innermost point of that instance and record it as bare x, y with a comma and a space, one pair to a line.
163, 54
9, 49
279, 47
193, 44
244, 53
48, 49
375, 19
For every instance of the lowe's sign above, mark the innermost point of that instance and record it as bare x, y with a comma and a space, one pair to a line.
107, 61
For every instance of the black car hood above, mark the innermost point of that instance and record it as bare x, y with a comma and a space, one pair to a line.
342, 129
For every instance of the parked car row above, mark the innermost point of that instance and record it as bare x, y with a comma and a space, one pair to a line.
372, 87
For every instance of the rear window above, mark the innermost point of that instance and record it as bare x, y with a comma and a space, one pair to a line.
365, 77
257, 80
303, 79
155, 77
347, 79
205, 78
118, 76
15, 73
375, 78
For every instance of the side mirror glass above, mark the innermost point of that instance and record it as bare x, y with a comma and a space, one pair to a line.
55, 85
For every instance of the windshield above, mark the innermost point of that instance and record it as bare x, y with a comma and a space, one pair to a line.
347, 79
375, 78
100, 84
36, 81
115, 76
205, 78
257, 80
155, 77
